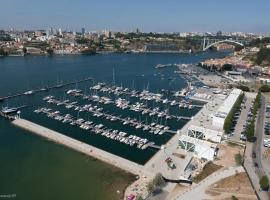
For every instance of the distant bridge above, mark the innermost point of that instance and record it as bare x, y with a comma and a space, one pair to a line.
208, 43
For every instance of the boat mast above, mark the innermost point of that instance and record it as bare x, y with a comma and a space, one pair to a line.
113, 82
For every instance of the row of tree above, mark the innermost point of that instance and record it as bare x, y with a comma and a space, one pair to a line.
265, 88
250, 131
264, 183
3, 52
230, 117
263, 56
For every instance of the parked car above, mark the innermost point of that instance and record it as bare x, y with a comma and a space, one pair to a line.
243, 137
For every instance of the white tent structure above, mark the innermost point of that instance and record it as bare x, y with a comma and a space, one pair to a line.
205, 134
201, 149
220, 116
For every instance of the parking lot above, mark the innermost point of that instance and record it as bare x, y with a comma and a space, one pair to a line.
266, 141
242, 118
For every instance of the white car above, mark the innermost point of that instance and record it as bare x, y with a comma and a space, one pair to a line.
266, 142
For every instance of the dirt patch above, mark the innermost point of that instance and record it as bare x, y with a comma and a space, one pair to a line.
208, 169
231, 150
229, 186
212, 193
179, 155
177, 190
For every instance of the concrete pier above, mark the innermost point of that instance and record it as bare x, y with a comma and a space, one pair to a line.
87, 149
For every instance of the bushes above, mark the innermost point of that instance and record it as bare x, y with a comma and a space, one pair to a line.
243, 88
263, 56
264, 88
227, 67
264, 183
234, 198
229, 119
250, 132
238, 159
3, 52
139, 197
155, 184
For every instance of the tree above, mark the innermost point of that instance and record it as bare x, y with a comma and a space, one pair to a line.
139, 197
82, 40
24, 50
263, 56
89, 51
49, 51
227, 67
155, 184
243, 88
265, 88
158, 180
3, 52
234, 198
150, 187
250, 131
238, 48
251, 127
238, 159
229, 119
264, 183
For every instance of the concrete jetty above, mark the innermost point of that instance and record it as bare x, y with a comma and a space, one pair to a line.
79, 146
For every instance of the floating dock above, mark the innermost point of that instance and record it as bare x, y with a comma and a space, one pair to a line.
48, 88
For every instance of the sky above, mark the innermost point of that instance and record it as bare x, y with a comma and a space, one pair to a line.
147, 15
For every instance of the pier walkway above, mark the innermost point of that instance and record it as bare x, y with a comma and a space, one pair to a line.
87, 149
48, 88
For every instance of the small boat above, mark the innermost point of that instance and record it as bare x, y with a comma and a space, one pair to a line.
29, 92
7, 110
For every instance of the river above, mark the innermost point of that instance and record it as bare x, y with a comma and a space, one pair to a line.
33, 168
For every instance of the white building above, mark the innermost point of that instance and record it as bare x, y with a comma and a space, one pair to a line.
220, 116
264, 80
205, 134
201, 149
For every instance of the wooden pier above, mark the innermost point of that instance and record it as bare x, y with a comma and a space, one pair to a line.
48, 88
155, 146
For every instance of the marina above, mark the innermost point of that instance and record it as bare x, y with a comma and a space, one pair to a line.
77, 145
140, 143
135, 72
140, 119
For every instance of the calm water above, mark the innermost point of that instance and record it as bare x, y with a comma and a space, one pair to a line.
33, 168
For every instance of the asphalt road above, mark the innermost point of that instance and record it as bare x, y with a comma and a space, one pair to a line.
259, 133
255, 172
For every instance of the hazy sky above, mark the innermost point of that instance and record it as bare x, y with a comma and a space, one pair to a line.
147, 15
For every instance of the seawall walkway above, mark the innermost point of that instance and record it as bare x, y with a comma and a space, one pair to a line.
87, 149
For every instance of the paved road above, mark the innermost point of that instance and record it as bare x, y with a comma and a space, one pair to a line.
198, 191
256, 172
259, 133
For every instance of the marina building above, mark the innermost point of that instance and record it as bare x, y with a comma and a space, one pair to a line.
200, 148
225, 108
205, 134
